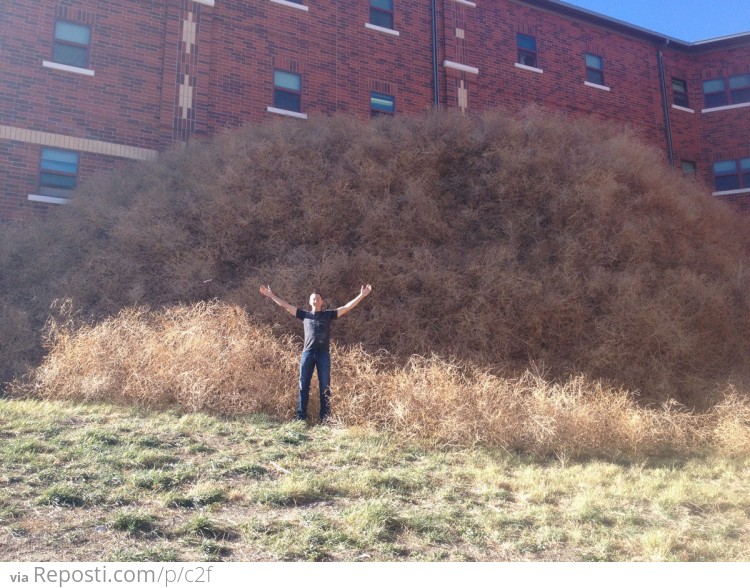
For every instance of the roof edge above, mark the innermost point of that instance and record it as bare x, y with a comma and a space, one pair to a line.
654, 36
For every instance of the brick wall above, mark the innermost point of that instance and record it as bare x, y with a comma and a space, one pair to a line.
169, 70
119, 103
19, 164
340, 61
629, 68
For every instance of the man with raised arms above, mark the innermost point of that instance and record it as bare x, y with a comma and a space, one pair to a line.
315, 352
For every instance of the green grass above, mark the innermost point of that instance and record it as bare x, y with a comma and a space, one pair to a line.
99, 482
134, 523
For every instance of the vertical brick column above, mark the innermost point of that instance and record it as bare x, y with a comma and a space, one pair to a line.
187, 71
458, 41
188, 27
172, 66
203, 48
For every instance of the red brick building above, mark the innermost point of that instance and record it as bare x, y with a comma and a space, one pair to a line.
85, 84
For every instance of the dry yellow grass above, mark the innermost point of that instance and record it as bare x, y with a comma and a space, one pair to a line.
213, 357
203, 358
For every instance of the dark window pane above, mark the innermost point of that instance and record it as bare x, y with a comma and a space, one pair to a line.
745, 167
381, 19
56, 192
680, 100
382, 4
526, 42
595, 77
525, 58
679, 92
725, 175
70, 55
740, 96
287, 100
714, 100
526, 50
57, 180
727, 183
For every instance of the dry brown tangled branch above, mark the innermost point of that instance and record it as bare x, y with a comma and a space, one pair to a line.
501, 241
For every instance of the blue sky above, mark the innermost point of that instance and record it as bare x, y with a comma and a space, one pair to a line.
687, 20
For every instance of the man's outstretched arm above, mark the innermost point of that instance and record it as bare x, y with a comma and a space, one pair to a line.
363, 291
266, 291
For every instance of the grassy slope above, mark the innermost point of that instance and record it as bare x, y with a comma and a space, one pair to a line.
97, 482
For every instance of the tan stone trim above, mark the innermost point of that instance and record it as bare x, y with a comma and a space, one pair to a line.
460, 67
77, 143
463, 96
189, 30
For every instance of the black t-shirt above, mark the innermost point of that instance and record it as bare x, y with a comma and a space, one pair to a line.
317, 328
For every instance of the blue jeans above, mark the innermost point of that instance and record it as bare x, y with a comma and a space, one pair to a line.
311, 360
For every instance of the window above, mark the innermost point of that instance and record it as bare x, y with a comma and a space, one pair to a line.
732, 174
594, 69
679, 93
526, 50
58, 171
381, 105
287, 91
381, 13
723, 92
739, 89
688, 167
72, 43
715, 93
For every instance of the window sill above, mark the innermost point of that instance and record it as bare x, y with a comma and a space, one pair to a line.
728, 107
466, 3
732, 192
283, 112
460, 67
292, 5
528, 68
48, 199
373, 27
68, 68
206, 2
597, 86
683, 108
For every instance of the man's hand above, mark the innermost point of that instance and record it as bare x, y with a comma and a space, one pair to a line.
266, 291
363, 291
